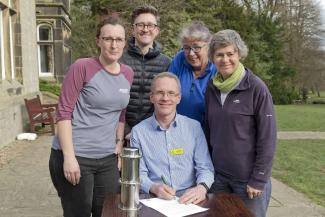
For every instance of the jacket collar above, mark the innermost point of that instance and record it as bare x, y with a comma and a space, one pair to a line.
245, 82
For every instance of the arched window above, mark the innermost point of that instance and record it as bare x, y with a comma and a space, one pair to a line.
45, 33
45, 50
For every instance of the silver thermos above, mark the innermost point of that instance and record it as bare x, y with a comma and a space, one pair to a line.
130, 180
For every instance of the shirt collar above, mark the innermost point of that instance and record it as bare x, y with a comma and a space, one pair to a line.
156, 126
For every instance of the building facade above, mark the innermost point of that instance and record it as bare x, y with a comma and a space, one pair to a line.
53, 38
19, 71
34, 42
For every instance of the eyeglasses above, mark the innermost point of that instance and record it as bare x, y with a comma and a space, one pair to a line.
223, 55
195, 49
142, 26
161, 94
110, 40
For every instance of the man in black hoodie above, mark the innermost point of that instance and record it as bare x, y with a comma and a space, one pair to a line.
144, 56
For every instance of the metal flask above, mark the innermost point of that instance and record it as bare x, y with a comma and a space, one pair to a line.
130, 180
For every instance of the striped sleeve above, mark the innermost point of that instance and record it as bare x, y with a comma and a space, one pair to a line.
78, 74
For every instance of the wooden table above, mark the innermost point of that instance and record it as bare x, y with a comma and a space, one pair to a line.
220, 205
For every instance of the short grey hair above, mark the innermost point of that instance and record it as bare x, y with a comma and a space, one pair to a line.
165, 75
197, 30
225, 38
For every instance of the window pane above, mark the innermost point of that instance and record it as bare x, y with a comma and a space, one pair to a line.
46, 55
45, 33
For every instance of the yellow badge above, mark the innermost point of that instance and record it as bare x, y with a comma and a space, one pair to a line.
177, 151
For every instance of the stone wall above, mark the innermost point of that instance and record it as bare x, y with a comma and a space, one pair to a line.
13, 115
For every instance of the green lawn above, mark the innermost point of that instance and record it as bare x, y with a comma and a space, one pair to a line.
51, 87
301, 165
301, 117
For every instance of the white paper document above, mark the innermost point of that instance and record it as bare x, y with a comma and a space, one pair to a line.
172, 208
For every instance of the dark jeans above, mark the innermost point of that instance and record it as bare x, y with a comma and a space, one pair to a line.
98, 177
257, 205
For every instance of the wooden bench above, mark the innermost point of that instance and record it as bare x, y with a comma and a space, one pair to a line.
41, 114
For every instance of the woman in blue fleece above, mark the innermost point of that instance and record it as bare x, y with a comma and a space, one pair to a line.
194, 70
240, 125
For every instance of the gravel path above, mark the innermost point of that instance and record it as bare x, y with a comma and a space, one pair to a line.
301, 135
25, 186
11, 151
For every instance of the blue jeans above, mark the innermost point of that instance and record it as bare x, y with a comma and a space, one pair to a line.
98, 177
257, 205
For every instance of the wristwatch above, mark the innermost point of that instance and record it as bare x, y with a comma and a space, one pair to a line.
204, 185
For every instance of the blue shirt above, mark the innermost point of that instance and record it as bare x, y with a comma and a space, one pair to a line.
192, 103
179, 154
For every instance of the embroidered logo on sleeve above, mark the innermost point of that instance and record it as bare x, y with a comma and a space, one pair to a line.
236, 101
126, 91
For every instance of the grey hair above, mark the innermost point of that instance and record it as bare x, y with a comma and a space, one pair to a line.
225, 38
165, 75
197, 30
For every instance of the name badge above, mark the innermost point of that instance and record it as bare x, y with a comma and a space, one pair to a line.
177, 151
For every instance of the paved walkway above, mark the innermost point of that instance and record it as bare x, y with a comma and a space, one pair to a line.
301, 135
26, 189
25, 185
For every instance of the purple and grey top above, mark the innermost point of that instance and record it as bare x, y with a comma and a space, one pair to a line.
95, 101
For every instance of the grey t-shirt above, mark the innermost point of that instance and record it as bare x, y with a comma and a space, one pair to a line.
93, 99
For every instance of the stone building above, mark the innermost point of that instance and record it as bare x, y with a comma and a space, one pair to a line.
53, 37
27, 37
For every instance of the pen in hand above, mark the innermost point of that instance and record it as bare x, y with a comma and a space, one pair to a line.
165, 182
